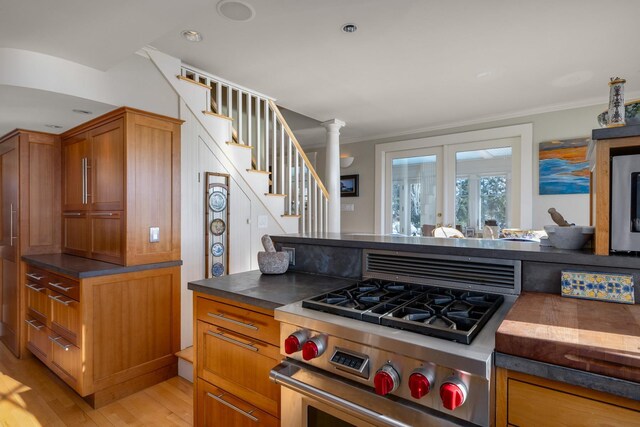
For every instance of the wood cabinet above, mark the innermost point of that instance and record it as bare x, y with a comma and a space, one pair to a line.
105, 336
30, 206
121, 176
525, 400
236, 347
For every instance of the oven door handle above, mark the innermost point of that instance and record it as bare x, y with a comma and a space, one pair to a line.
280, 375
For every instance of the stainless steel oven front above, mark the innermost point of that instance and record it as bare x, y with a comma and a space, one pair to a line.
625, 203
315, 398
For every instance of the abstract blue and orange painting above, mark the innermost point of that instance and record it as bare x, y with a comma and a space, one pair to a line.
564, 168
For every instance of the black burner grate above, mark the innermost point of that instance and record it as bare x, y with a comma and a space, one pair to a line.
451, 314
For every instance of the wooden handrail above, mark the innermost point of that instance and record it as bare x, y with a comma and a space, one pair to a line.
284, 124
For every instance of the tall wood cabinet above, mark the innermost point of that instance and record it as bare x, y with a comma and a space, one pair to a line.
30, 196
121, 179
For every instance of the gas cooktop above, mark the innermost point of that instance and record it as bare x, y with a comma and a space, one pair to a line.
451, 314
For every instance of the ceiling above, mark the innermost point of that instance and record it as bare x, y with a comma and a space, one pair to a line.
412, 65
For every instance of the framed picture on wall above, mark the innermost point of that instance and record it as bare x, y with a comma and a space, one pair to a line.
349, 185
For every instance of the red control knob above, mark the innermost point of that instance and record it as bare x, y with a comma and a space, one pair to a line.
419, 385
293, 343
453, 394
313, 348
386, 380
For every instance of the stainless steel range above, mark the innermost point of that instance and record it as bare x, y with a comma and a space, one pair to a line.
411, 344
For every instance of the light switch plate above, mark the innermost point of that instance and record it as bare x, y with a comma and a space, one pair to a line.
154, 234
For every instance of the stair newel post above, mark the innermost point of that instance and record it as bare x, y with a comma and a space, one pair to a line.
282, 153
303, 206
289, 192
258, 134
326, 214
274, 159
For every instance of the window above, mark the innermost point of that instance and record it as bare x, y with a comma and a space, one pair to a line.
459, 179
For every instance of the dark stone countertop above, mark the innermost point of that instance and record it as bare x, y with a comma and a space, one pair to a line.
504, 249
82, 268
615, 386
268, 291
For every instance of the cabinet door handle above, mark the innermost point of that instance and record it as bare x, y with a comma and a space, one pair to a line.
34, 276
83, 162
57, 299
71, 214
232, 341
235, 408
101, 214
62, 288
32, 323
34, 288
54, 340
235, 322
11, 236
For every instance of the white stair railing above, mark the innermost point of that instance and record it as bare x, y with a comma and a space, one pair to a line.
258, 123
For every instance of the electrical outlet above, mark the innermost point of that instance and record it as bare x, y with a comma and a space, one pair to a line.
154, 234
292, 254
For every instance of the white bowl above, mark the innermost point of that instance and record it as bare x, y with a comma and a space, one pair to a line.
572, 237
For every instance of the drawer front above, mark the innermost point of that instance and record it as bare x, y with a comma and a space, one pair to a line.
525, 401
36, 276
65, 359
64, 286
37, 301
245, 322
216, 407
240, 364
38, 338
65, 316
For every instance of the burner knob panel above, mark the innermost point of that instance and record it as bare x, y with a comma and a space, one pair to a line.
313, 348
420, 383
293, 343
453, 393
386, 380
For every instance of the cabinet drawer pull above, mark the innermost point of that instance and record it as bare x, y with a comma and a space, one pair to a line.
71, 214
35, 276
62, 288
57, 299
235, 322
235, 408
33, 288
232, 341
65, 347
32, 323
101, 214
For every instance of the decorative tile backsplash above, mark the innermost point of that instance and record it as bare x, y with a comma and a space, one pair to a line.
598, 286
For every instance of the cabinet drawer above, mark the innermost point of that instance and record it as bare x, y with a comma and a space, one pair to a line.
216, 407
36, 276
64, 286
38, 338
245, 322
525, 401
65, 359
37, 301
65, 317
239, 364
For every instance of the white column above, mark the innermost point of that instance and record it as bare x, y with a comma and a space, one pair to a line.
332, 176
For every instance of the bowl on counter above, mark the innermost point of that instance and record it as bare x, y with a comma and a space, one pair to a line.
631, 116
572, 237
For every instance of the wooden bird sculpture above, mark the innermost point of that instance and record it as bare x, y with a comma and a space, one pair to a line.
558, 218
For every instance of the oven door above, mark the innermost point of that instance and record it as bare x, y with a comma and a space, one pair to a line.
314, 398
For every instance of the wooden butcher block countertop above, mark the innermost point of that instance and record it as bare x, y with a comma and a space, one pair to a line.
593, 336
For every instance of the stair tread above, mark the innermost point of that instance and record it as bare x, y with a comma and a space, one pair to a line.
259, 171
275, 194
187, 79
235, 144
291, 216
221, 116
186, 354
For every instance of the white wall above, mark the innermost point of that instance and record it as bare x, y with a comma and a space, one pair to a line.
573, 123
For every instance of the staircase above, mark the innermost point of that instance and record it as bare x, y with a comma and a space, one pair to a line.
273, 157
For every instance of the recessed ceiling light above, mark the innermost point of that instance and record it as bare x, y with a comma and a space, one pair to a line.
484, 74
54, 126
75, 110
236, 10
192, 35
349, 28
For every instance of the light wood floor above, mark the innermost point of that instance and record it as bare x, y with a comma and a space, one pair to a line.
31, 395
